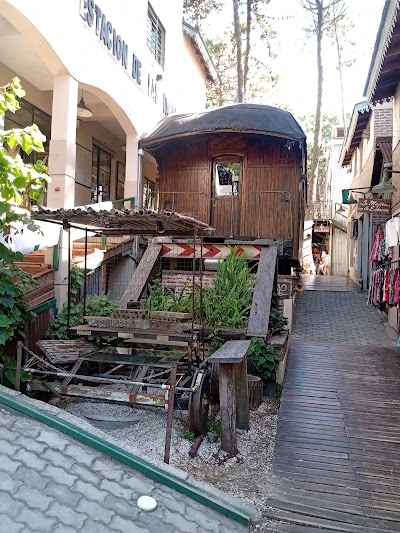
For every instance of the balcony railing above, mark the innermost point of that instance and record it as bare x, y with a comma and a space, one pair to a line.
322, 210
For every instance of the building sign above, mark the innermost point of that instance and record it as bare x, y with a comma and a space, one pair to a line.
116, 45
322, 229
284, 288
374, 206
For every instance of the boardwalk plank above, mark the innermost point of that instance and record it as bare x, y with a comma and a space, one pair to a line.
337, 463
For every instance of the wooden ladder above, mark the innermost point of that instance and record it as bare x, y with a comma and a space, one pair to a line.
141, 275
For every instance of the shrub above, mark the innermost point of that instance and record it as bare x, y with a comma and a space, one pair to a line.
95, 306
263, 359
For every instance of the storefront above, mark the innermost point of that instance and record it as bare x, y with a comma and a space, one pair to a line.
97, 77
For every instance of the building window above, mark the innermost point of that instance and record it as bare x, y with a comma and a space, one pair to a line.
120, 180
227, 175
155, 36
27, 115
101, 174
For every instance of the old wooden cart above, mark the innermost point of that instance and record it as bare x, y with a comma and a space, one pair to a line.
135, 366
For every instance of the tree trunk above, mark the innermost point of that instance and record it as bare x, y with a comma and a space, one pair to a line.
239, 56
317, 127
247, 52
335, 21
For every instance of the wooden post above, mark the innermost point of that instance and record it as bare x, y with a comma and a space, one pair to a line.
255, 391
171, 399
19, 365
242, 395
227, 400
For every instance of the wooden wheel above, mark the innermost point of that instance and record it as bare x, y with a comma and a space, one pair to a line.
199, 402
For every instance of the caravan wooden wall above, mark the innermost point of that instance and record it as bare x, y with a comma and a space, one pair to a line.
185, 185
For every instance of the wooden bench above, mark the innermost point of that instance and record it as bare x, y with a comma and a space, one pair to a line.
233, 391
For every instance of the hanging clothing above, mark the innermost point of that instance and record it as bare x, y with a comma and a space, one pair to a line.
393, 232
378, 252
384, 286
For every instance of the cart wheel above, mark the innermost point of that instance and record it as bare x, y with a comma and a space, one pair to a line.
199, 403
215, 382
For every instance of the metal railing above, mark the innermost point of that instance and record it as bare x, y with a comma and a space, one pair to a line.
322, 210
197, 204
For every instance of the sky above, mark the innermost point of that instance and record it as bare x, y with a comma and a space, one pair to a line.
296, 56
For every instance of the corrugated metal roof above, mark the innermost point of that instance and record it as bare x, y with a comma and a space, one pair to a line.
125, 221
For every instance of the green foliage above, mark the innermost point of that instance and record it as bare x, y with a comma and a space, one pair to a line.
188, 435
17, 178
166, 300
95, 306
214, 425
263, 359
14, 311
257, 40
197, 10
215, 339
77, 277
10, 371
277, 322
226, 303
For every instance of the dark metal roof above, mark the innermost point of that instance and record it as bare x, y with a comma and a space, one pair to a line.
124, 221
384, 71
238, 118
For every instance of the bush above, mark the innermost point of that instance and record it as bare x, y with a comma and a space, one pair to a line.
263, 359
95, 306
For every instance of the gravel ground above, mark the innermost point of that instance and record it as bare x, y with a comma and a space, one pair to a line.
245, 476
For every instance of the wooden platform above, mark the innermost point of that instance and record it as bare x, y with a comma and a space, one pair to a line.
337, 457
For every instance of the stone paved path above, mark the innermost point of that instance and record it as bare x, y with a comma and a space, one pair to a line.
51, 483
338, 316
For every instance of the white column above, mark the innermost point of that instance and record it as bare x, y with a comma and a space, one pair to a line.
62, 154
62, 157
131, 171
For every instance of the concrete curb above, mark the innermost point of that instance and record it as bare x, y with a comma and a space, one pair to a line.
157, 470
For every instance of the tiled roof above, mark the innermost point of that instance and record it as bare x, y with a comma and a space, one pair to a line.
124, 221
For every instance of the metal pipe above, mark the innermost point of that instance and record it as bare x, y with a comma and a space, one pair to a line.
69, 282
85, 272
139, 201
96, 379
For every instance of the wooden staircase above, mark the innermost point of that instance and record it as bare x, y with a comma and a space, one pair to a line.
141, 275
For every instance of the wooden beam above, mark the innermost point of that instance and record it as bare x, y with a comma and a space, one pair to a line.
227, 400
242, 396
262, 295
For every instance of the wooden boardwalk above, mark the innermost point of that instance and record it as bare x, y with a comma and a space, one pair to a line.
337, 458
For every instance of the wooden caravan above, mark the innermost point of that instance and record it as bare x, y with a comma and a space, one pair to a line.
239, 168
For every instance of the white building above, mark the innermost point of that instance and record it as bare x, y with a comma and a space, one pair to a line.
131, 62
